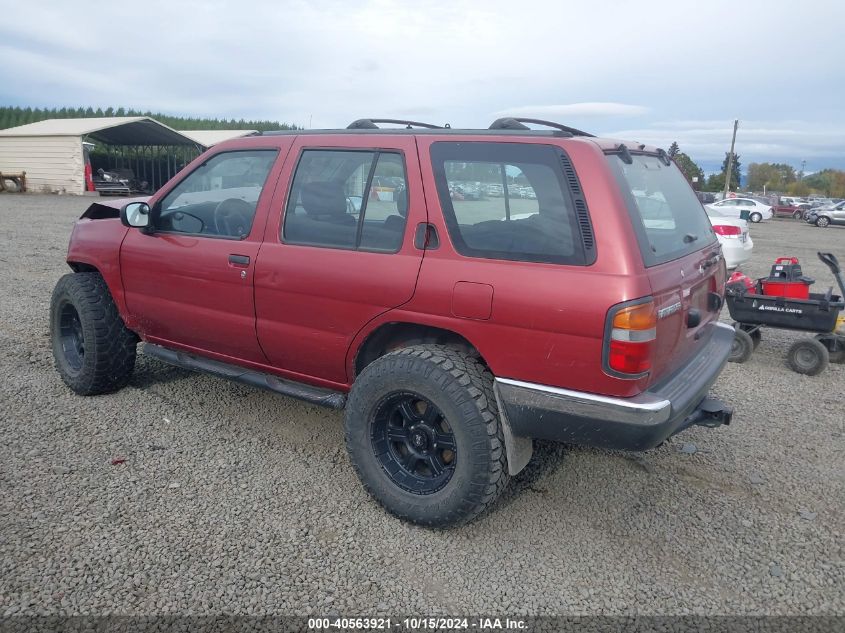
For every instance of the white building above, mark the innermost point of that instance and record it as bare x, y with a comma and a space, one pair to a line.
51, 152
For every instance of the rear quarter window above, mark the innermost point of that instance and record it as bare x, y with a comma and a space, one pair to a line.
668, 217
510, 201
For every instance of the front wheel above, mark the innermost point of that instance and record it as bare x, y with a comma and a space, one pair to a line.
822, 221
808, 356
93, 350
755, 217
423, 434
742, 347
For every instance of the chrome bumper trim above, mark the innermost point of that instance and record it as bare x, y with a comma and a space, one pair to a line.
644, 409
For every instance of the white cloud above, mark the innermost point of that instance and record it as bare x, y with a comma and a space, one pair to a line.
644, 68
793, 140
569, 110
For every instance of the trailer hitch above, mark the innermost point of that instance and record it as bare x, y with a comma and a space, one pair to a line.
712, 412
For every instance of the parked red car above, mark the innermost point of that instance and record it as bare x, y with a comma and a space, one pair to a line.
787, 210
452, 331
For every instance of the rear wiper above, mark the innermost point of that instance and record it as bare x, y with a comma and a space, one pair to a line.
689, 237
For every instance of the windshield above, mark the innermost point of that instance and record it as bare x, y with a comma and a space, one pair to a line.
667, 215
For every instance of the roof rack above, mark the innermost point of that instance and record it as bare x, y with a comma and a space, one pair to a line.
517, 123
370, 124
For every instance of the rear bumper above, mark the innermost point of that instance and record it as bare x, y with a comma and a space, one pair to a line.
736, 253
638, 423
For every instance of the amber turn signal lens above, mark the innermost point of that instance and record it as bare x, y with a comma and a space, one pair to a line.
637, 317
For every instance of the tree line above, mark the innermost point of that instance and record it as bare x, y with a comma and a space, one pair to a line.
783, 178
775, 177
14, 116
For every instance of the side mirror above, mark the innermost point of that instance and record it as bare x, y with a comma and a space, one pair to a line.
135, 214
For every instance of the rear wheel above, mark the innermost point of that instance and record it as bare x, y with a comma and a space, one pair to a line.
822, 221
741, 347
797, 215
423, 434
755, 217
808, 356
93, 350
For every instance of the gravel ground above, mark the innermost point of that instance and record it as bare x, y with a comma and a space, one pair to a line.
236, 500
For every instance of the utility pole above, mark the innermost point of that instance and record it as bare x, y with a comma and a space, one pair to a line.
731, 160
803, 165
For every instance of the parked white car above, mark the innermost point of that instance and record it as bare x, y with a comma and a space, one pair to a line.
733, 207
733, 235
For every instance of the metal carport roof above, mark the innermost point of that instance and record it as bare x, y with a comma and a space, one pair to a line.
134, 130
207, 138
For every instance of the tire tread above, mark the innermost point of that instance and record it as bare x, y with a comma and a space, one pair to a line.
111, 345
476, 381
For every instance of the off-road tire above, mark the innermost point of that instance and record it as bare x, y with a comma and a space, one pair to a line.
742, 347
109, 347
462, 389
808, 356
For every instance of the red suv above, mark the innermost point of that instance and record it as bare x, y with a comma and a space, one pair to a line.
573, 296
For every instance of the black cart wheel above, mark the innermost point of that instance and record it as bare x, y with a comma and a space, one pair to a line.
423, 434
808, 356
754, 331
93, 350
742, 347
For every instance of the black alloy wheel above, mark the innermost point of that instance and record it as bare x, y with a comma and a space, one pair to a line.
414, 443
71, 336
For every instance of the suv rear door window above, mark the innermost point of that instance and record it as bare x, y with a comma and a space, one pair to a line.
348, 199
507, 201
668, 218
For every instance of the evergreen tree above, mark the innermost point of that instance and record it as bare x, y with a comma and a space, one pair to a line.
690, 169
736, 174
674, 149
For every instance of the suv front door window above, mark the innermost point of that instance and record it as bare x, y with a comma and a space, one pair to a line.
217, 199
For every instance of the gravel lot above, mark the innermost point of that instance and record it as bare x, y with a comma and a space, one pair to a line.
236, 500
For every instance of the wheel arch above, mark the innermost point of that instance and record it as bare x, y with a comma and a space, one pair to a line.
392, 335
110, 275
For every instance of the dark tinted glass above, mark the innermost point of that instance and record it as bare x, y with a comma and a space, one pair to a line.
668, 217
347, 199
507, 201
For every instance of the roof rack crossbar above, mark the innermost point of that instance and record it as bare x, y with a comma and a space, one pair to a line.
518, 123
370, 124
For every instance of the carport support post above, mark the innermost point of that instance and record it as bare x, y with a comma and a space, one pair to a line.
731, 160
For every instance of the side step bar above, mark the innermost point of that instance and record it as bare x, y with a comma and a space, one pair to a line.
314, 395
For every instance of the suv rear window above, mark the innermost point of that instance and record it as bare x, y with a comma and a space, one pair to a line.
507, 201
668, 217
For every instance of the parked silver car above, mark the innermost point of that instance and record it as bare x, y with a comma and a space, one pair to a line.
825, 216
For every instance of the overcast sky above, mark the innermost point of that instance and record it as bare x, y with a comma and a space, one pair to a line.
647, 70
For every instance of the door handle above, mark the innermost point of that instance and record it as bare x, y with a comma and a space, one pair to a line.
241, 261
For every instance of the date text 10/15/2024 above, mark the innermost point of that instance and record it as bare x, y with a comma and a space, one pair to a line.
416, 624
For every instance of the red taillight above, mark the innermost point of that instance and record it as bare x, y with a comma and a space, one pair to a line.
726, 230
633, 329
